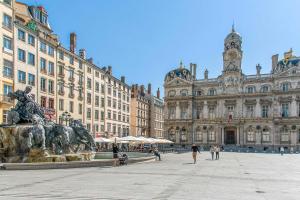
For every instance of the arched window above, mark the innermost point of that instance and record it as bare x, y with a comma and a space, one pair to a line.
198, 135
184, 92
250, 135
211, 135
172, 93
264, 88
284, 134
250, 89
266, 135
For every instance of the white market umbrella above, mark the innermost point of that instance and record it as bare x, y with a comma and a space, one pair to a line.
103, 140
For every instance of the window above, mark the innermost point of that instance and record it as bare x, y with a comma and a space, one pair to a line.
284, 136
21, 76
199, 93
97, 87
31, 59
183, 112
97, 74
172, 93
80, 64
265, 111
51, 103
7, 69
109, 114
21, 35
21, 55
109, 90
250, 111
31, 79
250, 135
114, 104
114, 93
7, 2
4, 116
51, 68
265, 135
71, 74
211, 112
109, 102
43, 84
51, 86
43, 65
61, 70
88, 126
61, 55
71, 60
88, 113
71, 106
102, 89
250, 89
102, 115
102, 102
43, 47
285, 87
285, 110
96, 114
89, 83
7, 44
7, 22
172, 112
50, 51
198, 135
80, 108
31, 40
89, 98
211, 136
265, 89
96, 100
43, 102
212, 92
61, 104
89, 70
7, 89
184, 92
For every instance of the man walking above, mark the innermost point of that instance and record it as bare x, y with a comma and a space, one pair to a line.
195, 149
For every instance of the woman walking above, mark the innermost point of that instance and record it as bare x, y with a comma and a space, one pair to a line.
195, 149
115, 150
212, 151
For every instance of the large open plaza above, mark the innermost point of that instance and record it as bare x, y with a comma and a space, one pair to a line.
235, 176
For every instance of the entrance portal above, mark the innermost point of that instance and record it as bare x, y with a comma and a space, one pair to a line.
230, 137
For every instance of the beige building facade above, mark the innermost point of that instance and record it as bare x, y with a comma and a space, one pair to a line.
65, 83
156, 116
258, 111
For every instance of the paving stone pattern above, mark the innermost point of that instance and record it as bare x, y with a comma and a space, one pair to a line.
239, 176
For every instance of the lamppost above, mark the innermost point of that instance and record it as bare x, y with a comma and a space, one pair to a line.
66, 116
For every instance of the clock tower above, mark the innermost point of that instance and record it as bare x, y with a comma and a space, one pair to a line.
232, 55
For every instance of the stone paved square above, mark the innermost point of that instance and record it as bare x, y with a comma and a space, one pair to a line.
234, 176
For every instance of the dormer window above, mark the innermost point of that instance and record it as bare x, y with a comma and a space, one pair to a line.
285, 87
250, 89
265, 89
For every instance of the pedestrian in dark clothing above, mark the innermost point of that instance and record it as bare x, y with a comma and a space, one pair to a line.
115, 150
195, 149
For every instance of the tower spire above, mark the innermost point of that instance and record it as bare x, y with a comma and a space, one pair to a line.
232, 28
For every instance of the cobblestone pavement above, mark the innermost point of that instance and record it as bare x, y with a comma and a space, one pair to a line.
234, 176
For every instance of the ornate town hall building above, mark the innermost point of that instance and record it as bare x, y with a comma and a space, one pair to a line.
259, 111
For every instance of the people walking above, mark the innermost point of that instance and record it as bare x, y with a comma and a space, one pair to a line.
156, 153
212, 151
281, 150
195, 149
115, 150
217, 149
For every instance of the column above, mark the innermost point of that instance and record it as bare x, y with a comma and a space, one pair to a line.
222, 135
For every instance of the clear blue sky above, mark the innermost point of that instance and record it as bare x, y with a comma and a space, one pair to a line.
144, 39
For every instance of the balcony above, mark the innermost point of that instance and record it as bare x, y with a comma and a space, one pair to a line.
60, 74
72, 79
5, 99
60, 92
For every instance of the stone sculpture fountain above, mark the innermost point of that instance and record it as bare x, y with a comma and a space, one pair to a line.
30, 137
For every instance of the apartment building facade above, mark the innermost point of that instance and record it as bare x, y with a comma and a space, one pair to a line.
66, 84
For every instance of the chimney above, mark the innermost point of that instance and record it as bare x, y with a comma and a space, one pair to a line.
191, 69
109, 69
206, 74
195, 70
149, 88
123, 79
72, 42
82, 53
158, 93
274, 61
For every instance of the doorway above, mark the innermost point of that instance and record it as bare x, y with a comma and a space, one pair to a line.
230, 137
